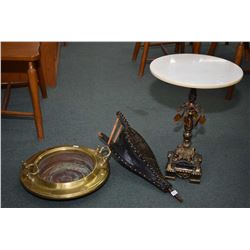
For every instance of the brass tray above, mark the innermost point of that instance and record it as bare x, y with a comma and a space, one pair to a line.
65, 172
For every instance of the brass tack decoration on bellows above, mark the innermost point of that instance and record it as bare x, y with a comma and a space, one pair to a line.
130, 149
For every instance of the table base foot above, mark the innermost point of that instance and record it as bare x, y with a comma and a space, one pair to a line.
184, 163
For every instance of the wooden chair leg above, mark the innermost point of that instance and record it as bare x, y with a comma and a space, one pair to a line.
136, 51
238, 60
33, 86
179, 47
246, 51
143, 59
196, 49
212, 48
42, 83
182, 47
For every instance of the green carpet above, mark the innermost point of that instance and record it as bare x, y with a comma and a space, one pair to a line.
97, 79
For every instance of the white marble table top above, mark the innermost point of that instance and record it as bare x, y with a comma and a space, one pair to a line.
196, 71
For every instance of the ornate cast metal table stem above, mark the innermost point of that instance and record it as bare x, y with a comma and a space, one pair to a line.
184, 162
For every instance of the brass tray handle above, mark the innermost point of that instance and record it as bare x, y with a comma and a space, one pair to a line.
105, 152
34, 171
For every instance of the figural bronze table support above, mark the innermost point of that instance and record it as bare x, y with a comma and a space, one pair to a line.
193, 71
185, 162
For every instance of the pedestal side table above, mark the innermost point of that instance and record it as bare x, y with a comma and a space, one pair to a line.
193, 71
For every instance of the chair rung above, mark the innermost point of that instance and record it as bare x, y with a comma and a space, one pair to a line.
14, 84
150, 59
16, 113
160, 43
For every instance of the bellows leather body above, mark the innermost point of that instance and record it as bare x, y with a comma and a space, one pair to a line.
130, 149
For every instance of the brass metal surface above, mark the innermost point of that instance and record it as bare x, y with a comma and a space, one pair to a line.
31, 179
191, 169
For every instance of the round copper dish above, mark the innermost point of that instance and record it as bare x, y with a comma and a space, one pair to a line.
65, 172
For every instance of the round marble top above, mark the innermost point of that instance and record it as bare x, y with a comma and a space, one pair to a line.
196, 71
